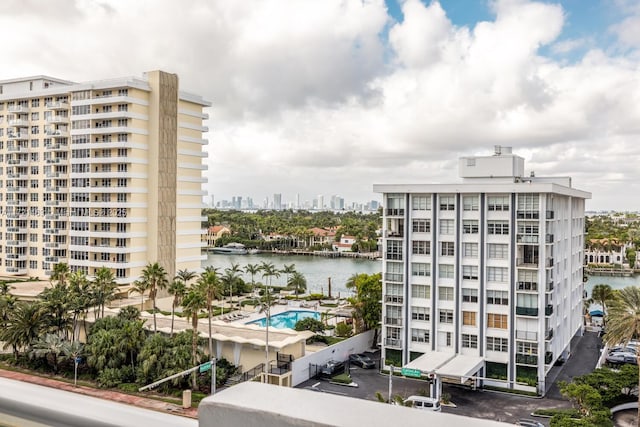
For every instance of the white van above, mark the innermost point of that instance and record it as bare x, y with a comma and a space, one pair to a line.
424, 403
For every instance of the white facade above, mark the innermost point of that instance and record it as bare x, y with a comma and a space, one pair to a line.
490, 268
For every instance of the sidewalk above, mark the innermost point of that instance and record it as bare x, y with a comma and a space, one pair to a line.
140, 402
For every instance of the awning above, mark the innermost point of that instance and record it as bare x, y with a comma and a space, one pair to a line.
447, 364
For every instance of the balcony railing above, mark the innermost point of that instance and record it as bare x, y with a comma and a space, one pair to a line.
549, 238
548, 335
527, 359
548, 357
393, 342
527, 238
526, 311
393, 277
527, 335
393, 299
395, 212
549, 263
393, 256
550, 286
550, 214
396, 321
527, 262
527, 286
391, 233
548, 310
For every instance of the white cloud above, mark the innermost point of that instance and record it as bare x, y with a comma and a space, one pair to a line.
308, 96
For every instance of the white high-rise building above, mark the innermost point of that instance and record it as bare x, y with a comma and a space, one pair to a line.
483, 278
100, 174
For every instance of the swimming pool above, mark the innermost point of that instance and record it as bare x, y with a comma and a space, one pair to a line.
287, 319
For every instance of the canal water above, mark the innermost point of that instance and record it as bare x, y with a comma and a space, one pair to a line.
316, 269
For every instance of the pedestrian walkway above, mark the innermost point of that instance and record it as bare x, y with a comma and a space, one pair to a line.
140, 402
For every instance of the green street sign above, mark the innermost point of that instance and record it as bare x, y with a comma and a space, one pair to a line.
205, 367
413, 373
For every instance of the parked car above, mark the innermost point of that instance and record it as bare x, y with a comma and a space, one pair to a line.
331, 368
529, 423
619, 348
423, 402
362, 360
619, 357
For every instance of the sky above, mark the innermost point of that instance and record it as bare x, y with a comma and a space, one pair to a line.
329, 97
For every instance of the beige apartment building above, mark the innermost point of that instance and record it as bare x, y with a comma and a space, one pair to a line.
104, 173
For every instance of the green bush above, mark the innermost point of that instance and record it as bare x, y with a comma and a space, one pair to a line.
128, 387
342, 379
109, 377
309, 324
343, 330
315, 297
572, 413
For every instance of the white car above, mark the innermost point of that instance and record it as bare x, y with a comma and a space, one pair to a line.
424, 403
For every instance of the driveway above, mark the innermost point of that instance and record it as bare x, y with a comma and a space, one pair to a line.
478, 404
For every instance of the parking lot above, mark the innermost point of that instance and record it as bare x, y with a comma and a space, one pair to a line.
479, 404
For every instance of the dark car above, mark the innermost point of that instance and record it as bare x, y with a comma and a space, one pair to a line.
331, 368
362, 360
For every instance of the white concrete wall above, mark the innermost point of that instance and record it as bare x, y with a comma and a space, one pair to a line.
339, 351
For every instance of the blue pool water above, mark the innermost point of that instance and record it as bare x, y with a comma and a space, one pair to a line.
287, 319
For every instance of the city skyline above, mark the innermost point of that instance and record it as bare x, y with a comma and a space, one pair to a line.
342, 95
278, 202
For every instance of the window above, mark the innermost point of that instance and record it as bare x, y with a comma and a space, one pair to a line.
497, 251
498, 203
421, 203
421, 226
446, 316
420, 291
527, 280
470, 250
419, 335
420, 247
470, 203
498, 227
470, 272
469, 295
469, 318
526, 347
528, 202
394, 249
497, 344
420, 313
447, 203
469, 341
420, 269
445, 293
498, 321
446, 226
447, 249
527, 300
470, 226
498, 297
445, 271
498, 274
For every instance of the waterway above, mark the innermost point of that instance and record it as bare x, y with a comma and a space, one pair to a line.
614, 282
316, 269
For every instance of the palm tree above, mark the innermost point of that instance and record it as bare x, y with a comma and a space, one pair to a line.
298, 282
623, 322
140, 287
25, 324
80, 299
60, 273
287, 270
252, 269
268, 271
194, 301
50, 347
602, 294
73, 350
178, 289
229, 280
186, 276
209, 284
155, 278
104, 285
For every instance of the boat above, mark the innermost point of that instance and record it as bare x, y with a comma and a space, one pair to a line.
253, 251
231, 249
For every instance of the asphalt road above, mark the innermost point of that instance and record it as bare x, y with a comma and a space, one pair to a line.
478, 404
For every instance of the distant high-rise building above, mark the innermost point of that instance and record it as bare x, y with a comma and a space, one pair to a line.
101, 174
484, 276
320, 202
277, 201
297, 201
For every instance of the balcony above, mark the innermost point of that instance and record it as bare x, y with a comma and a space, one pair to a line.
528, 286
18, 149
395, 212
531, 262
527, 335
394, 234
527, 311
53, 161
51, 259
17, 189
527, 238
52, 245
393, 277
17, 203
51, 231
548, 310
393, 342
52, 203
19, 230
549, 238
17, 243
394, 299
18, 135
548, 335
57, 105
395, 321
528, 214
57, 133
57, 119
549, 286
19, 123
16, 270
18, 162
17, 257
550, 214
527, 359
18, 109
549, 263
